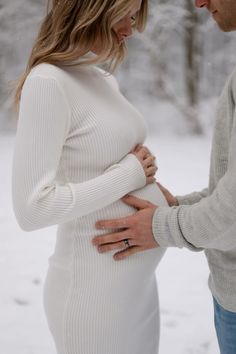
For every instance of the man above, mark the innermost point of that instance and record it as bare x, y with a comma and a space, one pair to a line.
204, 219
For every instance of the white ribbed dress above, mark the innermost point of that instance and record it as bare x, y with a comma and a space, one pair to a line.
71, 167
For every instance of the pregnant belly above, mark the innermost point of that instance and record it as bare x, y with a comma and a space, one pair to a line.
152, 193
143, 260
74, 239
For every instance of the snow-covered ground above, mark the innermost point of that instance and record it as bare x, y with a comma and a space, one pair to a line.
186, 305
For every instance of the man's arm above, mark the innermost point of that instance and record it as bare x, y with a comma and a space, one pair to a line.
192, 198
187, 199
210, 223
207, 224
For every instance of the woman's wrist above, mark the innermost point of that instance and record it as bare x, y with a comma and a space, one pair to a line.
132, 169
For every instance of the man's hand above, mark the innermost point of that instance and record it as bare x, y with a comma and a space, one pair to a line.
171, 200
134, 232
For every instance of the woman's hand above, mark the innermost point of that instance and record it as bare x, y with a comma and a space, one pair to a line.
147, 160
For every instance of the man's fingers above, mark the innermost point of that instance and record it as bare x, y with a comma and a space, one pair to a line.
110, 238
126, 253
113, 246
163, 189
121, 223
135, 202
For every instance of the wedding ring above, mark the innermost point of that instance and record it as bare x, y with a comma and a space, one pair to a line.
126, 242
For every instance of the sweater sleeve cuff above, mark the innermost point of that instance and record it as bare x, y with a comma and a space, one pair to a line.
166, 228
164, 224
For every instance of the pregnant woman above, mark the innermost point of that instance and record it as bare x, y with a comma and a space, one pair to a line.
78, 151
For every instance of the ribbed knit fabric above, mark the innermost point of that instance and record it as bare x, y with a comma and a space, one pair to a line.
71, 167
207, 219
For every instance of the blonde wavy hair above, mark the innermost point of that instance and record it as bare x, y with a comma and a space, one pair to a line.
70, 30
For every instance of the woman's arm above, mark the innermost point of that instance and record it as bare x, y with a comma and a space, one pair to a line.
38, 200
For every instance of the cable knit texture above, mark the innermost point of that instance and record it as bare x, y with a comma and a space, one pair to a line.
71, 167
207, 219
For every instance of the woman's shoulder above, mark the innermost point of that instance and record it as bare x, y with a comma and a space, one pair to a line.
59, 75
71, 78
65, 75
46, 70
44, 77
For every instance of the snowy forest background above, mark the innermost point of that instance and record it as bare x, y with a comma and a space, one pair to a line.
174, 73
180, 62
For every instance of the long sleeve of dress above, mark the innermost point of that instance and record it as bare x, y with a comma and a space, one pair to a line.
38, 199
